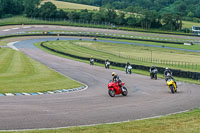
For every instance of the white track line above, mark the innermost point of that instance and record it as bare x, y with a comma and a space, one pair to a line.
39, 26
6, 30
26, 27
16, 28
11, 45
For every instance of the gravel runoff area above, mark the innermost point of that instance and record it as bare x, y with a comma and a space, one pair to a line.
146, 98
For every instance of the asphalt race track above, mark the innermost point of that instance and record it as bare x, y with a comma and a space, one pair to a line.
146, 98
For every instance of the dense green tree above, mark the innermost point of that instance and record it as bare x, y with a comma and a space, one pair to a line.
61, 14
97, 17
197, 12
120, 19
85, 15
148, 18
168, 21
47, 10
109, 15
172, 21
132, 21
73, 15
30, 6
11, 7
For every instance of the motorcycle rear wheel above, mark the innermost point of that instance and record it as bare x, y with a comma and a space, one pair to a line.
155, 76
111, 93
124, 91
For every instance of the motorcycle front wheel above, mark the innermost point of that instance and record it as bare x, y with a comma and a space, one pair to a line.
172, 88
111, 93
124, 91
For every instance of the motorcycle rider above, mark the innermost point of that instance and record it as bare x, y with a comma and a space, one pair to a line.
91, 60
152, 68
117, 79
168, 74
126, 67
107, 63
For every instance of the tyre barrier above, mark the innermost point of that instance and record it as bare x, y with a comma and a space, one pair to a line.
177, 73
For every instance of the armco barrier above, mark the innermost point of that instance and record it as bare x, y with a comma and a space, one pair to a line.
177, 73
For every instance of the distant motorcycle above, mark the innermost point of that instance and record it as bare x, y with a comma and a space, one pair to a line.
107, 65
91, 61
153, 74
128, 69
114, 89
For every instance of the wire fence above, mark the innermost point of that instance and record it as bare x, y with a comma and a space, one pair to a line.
178, 64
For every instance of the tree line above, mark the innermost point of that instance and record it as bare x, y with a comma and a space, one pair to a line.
187, 8
147, 19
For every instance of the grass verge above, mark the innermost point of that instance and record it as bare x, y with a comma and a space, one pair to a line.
19, 73
179, 123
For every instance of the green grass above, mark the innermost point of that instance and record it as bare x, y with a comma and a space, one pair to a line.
123, 53
19, 73
179, 123
172, 45
3, 43
69, 5
188, 24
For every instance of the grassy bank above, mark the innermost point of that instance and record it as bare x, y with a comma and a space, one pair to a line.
19, 73
69, 5
140, 55
179, 123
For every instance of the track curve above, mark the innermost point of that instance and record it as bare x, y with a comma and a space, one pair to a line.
146, 97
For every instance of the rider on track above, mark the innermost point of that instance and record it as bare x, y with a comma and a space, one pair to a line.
117, 79
168, 74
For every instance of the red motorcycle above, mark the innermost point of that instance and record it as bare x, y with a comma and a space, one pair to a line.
114, 89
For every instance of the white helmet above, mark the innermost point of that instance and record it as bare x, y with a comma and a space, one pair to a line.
166, 68
168, 74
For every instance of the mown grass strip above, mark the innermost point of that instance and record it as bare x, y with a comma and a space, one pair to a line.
179, 123
19, 73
